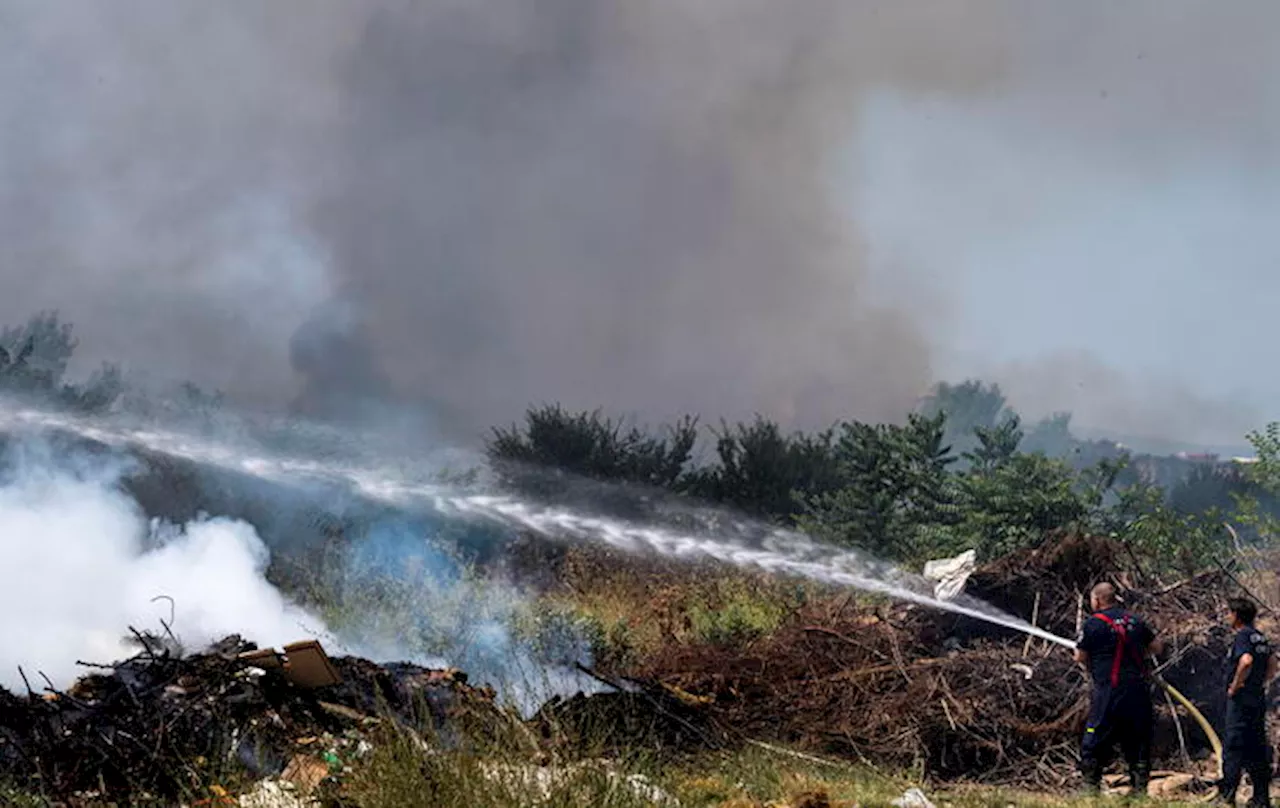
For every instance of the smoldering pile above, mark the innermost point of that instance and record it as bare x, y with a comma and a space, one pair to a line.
161, 725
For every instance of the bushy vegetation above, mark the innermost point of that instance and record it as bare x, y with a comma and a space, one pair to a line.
34, 359
591, 446
922, 488
763, 471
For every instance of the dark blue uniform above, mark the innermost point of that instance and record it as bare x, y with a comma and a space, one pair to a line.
1121, 711
1245, 746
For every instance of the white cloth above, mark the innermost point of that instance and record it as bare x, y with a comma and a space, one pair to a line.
951, 574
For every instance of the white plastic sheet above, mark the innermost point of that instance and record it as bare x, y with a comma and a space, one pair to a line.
951, 574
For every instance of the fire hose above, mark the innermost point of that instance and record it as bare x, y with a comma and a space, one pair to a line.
1214, 741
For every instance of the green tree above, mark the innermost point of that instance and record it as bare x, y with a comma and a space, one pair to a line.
1016, 503
967, 407
1052, 436
1212, 487
764, 472
996, 445
896, 488
1007, 499
1255, 509
1165, 538
34, 359
588, 445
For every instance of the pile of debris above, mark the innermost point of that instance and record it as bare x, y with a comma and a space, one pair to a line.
869, 688
905, 686
159, 725
891, 684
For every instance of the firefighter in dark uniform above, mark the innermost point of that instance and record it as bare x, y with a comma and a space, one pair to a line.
1113, 647
1250, 666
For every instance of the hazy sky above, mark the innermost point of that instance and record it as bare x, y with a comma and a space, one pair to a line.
1099, 231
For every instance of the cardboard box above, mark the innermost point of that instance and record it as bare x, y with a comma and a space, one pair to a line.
307, 665
304, 663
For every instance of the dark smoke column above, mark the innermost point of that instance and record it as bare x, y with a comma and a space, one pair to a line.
628, 205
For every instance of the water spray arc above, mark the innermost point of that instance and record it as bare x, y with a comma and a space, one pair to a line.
780, 552
783, 552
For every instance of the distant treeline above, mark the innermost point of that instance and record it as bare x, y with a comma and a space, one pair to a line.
960, 473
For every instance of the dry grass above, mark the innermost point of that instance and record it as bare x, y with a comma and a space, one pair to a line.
637, 609
400, 777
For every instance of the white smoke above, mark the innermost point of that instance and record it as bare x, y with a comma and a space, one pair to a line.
83, 564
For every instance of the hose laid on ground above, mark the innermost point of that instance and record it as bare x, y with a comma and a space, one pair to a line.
1214, 741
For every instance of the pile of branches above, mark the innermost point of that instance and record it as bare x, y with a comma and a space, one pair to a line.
159, 725
632, 714
1050, 584
868, 687
899, 685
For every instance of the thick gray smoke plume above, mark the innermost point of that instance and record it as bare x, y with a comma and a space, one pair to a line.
606, 203
627, 204
635, 205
